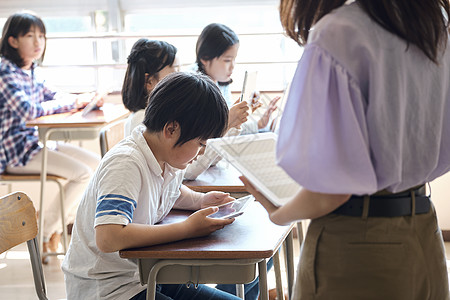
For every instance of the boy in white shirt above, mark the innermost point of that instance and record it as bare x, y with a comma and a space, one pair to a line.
136, 185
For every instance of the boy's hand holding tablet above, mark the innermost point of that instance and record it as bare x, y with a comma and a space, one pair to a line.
233, 208
200, 224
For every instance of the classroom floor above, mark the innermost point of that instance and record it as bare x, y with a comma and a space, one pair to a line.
16, 280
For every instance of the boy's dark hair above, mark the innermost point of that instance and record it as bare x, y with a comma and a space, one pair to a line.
423, 23
193, 101
146, 56
214, 40
18, 25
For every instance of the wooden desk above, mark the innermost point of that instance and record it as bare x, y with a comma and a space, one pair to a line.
224, 177
71, 126
226, 256
221, 177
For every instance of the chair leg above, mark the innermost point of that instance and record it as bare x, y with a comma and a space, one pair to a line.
289, 257
240, 291
65, 238
8, 186
277, 268
38, 273
41, 226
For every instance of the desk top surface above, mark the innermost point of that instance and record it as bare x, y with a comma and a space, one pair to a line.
252, 235
222, 177
107, 114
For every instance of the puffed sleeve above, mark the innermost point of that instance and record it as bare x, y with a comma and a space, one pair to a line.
323, 142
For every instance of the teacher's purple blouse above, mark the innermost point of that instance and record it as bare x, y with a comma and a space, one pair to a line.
365, 111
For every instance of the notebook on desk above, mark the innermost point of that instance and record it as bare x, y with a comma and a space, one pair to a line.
254, 156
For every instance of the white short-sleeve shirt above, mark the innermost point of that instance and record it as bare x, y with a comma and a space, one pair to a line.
128, 186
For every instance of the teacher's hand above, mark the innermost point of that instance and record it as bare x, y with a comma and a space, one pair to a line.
258, 196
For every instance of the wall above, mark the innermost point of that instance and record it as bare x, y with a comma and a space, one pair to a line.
440, 194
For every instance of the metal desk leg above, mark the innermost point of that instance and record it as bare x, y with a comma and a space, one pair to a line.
277, 268
151, 281
263, 289
43, 180
62, 198
289, 254
46, 134
300, 233
152, 275
240, 291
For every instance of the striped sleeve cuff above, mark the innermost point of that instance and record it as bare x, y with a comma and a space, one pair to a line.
115, 205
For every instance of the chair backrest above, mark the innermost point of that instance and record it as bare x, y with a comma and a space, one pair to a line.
111, 135
18, 224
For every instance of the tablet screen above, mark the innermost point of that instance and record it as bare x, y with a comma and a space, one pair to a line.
88, 108
249, 86
233, 209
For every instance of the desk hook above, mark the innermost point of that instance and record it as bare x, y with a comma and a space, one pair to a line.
197, 268
188, 284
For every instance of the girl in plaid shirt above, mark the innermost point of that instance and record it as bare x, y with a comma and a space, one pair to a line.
23, 98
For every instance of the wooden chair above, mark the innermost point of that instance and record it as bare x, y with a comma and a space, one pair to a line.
9, 179
18, 224
111, 135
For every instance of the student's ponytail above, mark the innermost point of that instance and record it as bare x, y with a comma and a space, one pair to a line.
134, 93
146, 57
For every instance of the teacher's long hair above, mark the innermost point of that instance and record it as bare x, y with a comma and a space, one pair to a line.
423, 23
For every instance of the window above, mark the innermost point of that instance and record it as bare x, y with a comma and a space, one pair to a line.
89, 51
263, 46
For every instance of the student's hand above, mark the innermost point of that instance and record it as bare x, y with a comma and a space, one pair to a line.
84, 99
262, 123
258, 196
216, 198
198, 224
99, 98
238, 114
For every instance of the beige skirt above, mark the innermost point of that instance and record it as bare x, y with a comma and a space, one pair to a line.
373, 258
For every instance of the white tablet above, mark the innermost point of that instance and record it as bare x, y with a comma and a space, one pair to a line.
233, 209
90, 107
254, 156
249, 86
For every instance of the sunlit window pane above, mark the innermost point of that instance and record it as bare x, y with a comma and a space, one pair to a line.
69, 52
71, 79
263, 46
67, 24
75, 41
242, 19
